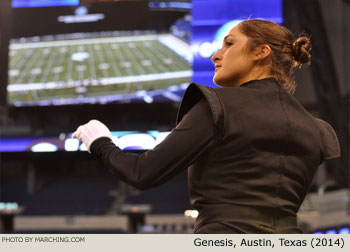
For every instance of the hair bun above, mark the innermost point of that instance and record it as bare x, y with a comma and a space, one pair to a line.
301, 50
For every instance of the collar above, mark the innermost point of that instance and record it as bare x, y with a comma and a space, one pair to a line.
271, 79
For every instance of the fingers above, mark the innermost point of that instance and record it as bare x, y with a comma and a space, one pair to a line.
77, 133
89, 132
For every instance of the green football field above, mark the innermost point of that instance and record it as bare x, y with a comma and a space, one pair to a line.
72, 70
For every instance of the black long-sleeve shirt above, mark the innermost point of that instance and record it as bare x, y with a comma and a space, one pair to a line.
191, 137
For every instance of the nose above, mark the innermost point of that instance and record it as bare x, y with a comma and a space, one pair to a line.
215, 56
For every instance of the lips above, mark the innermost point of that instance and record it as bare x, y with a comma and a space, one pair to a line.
217, 67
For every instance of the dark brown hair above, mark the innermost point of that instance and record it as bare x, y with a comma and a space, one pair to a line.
285, 54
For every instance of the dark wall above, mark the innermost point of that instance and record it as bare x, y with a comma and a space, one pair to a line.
335, 14
323, 87
4, 37
119, 16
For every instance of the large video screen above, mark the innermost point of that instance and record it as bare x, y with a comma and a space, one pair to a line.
108, 56
121, 52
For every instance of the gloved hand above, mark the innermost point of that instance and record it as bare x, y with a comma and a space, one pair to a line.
91, 131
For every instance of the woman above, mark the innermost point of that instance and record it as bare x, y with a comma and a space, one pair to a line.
250, 148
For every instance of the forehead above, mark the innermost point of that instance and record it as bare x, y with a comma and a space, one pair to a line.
235, 32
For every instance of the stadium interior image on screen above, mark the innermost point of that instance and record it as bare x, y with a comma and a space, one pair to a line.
143, 64
98, 52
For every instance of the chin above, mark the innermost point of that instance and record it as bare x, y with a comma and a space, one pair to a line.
217, 81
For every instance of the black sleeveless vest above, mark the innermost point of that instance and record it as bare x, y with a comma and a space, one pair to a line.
266, 152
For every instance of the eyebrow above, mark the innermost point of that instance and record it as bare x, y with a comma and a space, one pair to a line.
228, 36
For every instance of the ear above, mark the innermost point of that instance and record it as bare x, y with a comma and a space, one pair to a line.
261, 52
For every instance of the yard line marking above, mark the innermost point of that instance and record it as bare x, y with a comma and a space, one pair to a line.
103, 81
58, 68
69, 64
146, 60
123, 58
151, 55
59, 43
92, 62
31, 61
48, 65
111, 60
115, 58
101, 61
15, 59
39, 64
133, 59
164, 52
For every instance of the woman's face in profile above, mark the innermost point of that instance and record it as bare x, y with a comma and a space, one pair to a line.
233, 62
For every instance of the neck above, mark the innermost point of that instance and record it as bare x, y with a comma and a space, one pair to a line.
257, 73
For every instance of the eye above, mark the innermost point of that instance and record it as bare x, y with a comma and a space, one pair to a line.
228, 43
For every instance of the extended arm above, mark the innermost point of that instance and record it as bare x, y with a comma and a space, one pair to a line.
192, 136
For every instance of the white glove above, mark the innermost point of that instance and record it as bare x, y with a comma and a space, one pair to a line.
91, 131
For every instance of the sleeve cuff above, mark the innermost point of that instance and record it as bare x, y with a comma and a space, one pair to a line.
96, 145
